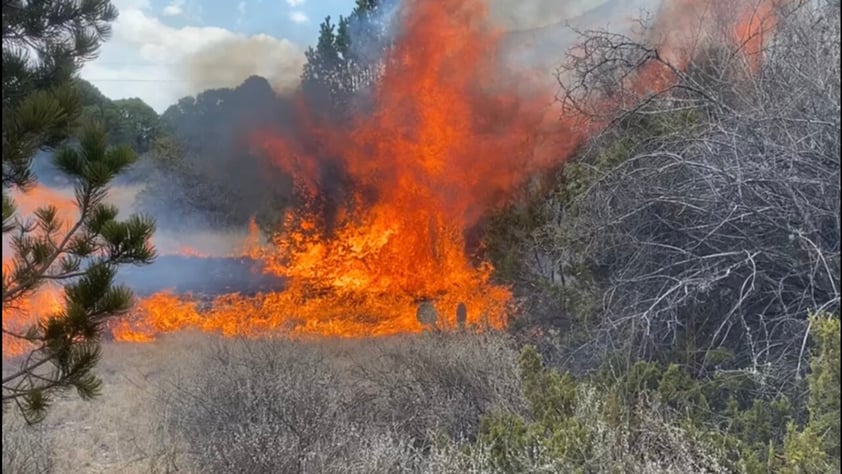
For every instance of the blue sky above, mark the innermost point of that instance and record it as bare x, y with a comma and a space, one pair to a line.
296, 20
161, 50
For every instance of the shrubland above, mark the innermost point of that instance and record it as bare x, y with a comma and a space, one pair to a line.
679, 291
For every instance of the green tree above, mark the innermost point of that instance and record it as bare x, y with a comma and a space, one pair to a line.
44, 44
824, 382
338, 67
128, 121
321, 80
132, 122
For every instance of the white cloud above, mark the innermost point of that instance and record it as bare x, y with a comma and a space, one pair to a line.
160, 64
299, 17
175, 8
295, 3
131, 4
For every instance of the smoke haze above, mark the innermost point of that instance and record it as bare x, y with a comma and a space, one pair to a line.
229, 62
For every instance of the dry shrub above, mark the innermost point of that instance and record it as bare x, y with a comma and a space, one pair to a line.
26, 449
339, 406
705, 217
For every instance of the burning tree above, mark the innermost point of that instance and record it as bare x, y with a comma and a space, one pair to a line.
44, 44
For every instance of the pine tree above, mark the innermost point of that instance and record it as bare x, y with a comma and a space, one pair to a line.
337, 67
44, 44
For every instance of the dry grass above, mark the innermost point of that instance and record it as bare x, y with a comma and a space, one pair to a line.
119, 431
198, 403
339, 406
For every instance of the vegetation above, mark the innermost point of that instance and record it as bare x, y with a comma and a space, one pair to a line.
453, 403
339, 69
201, 152
694, 225
678, 280
44, 43
129, 122
204, 159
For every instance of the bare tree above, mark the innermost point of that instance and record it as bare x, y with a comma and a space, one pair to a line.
715, 223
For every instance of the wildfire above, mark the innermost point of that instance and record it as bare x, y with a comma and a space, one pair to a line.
189, 251
683, 27
20, 314
449, 135
39, 196
448, 139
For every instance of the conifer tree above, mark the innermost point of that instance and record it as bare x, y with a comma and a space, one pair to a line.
45, 42
338, 67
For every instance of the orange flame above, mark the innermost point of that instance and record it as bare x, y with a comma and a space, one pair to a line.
450, 135
39, 196
20, 314
189, 251
448, 139
26, 311
685, 26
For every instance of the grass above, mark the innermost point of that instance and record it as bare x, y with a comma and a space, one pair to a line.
199, 403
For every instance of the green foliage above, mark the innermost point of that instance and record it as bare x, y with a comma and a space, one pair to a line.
824, 401
84, 255
727, 414
44, 44
335, 68
552, 425
803, 453
129, 122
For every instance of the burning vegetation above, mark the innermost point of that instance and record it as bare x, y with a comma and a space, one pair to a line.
378, 242
447, 138
428, 259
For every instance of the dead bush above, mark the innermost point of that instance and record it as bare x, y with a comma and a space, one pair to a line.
338, 406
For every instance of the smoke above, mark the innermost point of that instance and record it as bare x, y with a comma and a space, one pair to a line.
538, 35
531, 14
229, 62
537, 39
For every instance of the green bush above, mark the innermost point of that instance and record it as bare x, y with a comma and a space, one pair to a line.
604, 423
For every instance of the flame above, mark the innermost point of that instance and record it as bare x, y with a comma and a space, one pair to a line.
162, 312
38, 196
26, 311
449, 135
449, 138
683, 27
22, 313
189, 251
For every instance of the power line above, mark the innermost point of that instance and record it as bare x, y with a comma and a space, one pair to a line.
136, 80
208, 81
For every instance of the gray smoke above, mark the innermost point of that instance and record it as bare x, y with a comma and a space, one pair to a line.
230, 62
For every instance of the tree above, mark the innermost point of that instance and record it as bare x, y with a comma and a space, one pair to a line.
44, 44
132, 122
321, 80
704, 219
204, 155
346, 59
128, 121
